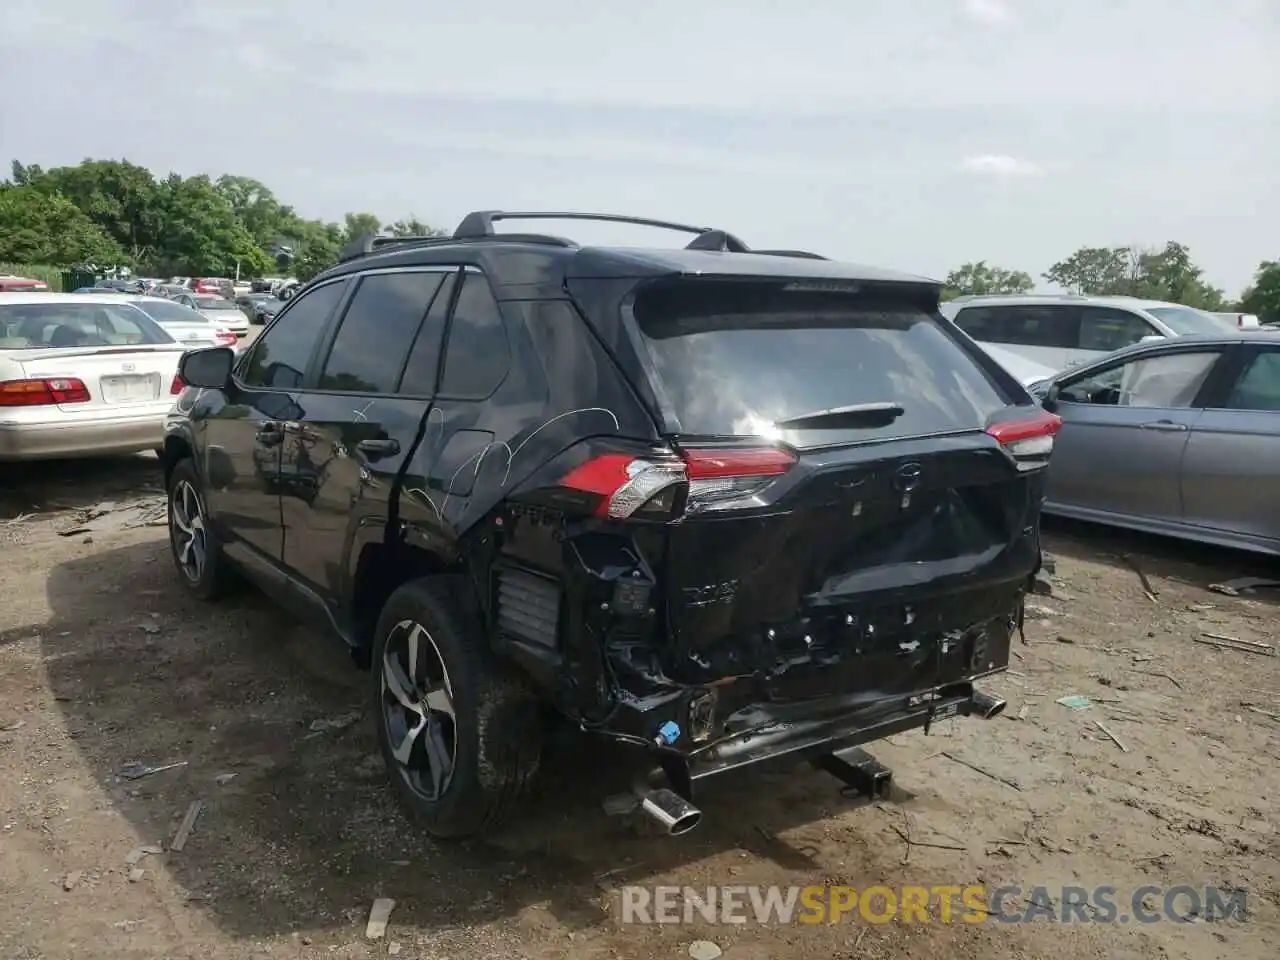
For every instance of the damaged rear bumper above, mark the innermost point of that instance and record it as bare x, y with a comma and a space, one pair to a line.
791, 739
831, 742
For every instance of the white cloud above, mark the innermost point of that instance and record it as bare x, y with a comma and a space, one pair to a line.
999, 165
993, 13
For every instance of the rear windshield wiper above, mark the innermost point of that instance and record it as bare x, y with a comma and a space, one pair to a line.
879, 414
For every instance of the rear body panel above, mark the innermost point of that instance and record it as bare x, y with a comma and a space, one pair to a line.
129, 395
864, 590
851, 560
119, 378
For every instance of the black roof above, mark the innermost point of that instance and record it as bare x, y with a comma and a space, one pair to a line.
530, 258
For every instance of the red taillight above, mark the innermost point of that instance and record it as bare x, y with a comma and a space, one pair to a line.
177, 386
225, 337
1029, 440
711, 479
42, 393
706, 464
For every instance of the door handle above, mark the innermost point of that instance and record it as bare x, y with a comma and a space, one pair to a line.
269, 434
1165, 426
379, 447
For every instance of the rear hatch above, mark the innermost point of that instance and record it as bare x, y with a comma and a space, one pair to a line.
852, 510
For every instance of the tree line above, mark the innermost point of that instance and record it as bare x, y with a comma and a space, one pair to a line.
113, 213
105, 214
1162, 273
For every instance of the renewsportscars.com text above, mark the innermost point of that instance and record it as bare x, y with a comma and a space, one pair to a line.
932, 904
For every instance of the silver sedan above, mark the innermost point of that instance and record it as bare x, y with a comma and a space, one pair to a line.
220, 310
1177, 437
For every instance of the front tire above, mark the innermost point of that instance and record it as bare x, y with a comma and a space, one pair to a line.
194, 547
460, 733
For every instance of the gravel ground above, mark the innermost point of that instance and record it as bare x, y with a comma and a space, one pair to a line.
103, 662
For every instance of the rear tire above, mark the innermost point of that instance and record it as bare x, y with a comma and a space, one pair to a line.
196, 553
460, 733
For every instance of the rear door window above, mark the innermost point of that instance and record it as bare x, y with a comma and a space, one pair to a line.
1259, 386
733, 358
1032, 325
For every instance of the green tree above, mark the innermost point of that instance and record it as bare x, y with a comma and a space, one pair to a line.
357, 225
411, 226
201, 232
1164, 273
41, 227
266, 218
1263, 296
981, 278
119, 196
1091, 270
1169, 274
316, 246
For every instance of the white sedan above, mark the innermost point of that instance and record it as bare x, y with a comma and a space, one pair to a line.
81, 375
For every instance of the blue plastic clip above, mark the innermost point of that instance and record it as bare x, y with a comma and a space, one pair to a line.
668, 734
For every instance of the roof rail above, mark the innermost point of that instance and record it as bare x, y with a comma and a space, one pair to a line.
368, 244
800, 254
480, 224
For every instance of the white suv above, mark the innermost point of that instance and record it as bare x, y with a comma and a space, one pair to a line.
1064, 330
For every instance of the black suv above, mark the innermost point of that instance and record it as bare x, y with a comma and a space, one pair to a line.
718, 505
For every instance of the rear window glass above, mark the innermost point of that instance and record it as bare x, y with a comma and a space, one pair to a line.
166, 311
214, 303
734, 358
26, 326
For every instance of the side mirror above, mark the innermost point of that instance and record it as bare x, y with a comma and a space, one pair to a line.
208, 369
1050, 400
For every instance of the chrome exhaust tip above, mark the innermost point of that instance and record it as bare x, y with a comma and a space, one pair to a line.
670, 811
987, 706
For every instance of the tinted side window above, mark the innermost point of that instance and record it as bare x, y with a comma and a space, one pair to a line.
1030, 326
1259, 386
280, 358
478, 354
1104, 329
419, 377
377, 332
1171, 381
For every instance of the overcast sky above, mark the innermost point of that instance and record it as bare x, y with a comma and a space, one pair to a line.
914, 134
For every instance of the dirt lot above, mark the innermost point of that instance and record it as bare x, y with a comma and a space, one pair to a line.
103, 662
